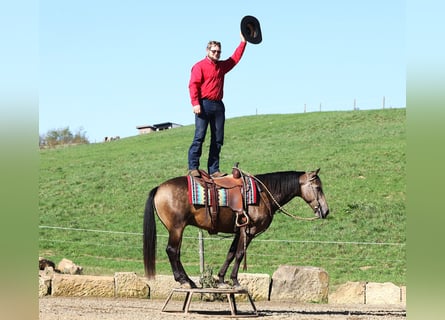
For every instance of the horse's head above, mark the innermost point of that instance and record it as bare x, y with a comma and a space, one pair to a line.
312, 193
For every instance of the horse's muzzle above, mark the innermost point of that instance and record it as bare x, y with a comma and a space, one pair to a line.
321, 213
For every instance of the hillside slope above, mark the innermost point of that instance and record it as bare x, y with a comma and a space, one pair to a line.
91, 197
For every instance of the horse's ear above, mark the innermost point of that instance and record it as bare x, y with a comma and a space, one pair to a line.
313, 174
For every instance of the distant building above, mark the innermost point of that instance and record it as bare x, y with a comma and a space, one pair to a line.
145, 129
157, 127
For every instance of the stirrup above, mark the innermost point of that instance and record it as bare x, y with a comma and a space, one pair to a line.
243, 214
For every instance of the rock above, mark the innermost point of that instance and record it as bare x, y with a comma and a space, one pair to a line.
382, 293
48, 272
44, 286
69, 267
45, 281
82, 286
257, 284
129, 285
350, 292
300, 283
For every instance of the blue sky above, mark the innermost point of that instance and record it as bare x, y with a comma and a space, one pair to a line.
108, 66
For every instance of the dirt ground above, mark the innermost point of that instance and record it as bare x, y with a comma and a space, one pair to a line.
70, 308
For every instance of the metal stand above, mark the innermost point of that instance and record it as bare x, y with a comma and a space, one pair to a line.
230, 297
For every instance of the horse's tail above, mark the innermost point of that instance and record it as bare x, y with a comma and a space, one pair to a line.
149, 237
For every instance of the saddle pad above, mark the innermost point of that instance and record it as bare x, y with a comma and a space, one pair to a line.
251, 190
196, 193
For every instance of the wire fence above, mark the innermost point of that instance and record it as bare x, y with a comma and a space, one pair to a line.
123, 246
213, 238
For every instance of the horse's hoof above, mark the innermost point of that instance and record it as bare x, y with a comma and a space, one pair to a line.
223, 285
239, 287
185, 285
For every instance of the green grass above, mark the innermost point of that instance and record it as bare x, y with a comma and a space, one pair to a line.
362, 156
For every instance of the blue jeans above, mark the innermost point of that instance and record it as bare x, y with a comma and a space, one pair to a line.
213, 113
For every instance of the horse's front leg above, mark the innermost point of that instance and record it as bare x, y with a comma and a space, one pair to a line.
229, 259
243, 243
174, 255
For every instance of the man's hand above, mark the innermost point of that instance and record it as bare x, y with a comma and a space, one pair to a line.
197, 109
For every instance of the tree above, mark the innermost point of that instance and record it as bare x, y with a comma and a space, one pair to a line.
62, 136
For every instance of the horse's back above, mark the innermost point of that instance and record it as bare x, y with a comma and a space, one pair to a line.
173, 189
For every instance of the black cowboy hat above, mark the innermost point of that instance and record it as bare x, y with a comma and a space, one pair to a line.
251, 30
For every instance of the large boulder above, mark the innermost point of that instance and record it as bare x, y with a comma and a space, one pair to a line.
82, 286
69, 267
383, 293
372, 293
300, 284
45, 280
129, 285
257, 284
44, 286
349, 292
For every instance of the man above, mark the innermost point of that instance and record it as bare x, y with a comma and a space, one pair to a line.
206, 93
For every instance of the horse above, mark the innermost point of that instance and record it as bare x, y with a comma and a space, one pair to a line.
171, 203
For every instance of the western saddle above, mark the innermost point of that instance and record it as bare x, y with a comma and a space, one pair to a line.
235, 186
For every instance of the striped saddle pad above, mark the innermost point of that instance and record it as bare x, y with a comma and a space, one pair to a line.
196, 193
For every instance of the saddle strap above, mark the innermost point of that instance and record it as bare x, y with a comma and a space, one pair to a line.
210, 189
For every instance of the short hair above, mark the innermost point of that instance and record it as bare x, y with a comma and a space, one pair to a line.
213, 43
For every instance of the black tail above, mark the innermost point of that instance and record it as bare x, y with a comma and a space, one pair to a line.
149, 237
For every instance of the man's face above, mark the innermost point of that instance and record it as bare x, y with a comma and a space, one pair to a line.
214, 53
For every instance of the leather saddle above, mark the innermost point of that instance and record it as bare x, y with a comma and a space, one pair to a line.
234, 185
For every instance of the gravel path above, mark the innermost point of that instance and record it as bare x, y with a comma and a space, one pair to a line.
69, 308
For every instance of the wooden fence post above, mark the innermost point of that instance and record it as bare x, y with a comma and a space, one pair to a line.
201, 252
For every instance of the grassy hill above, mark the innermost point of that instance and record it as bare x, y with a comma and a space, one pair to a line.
91, 197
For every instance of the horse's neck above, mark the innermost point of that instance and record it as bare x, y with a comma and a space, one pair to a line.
283, 186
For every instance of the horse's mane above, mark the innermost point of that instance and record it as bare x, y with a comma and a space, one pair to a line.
284, 182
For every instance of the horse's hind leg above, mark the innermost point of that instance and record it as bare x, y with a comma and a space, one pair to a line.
229, 258
174, 255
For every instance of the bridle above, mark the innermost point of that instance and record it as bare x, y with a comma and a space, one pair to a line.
317, 207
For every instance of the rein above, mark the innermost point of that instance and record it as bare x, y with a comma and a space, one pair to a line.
280, 208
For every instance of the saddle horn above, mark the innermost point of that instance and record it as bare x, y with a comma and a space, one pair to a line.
235, 171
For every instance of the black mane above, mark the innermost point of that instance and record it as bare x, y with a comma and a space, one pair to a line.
283, 185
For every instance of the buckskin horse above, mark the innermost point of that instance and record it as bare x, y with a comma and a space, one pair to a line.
171, 202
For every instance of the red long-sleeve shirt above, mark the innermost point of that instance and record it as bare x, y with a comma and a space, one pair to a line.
207, 79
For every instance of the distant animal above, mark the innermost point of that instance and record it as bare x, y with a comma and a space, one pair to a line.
171, 202
108, 139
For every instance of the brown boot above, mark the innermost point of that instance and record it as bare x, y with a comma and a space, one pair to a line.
194, 173
218, 174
